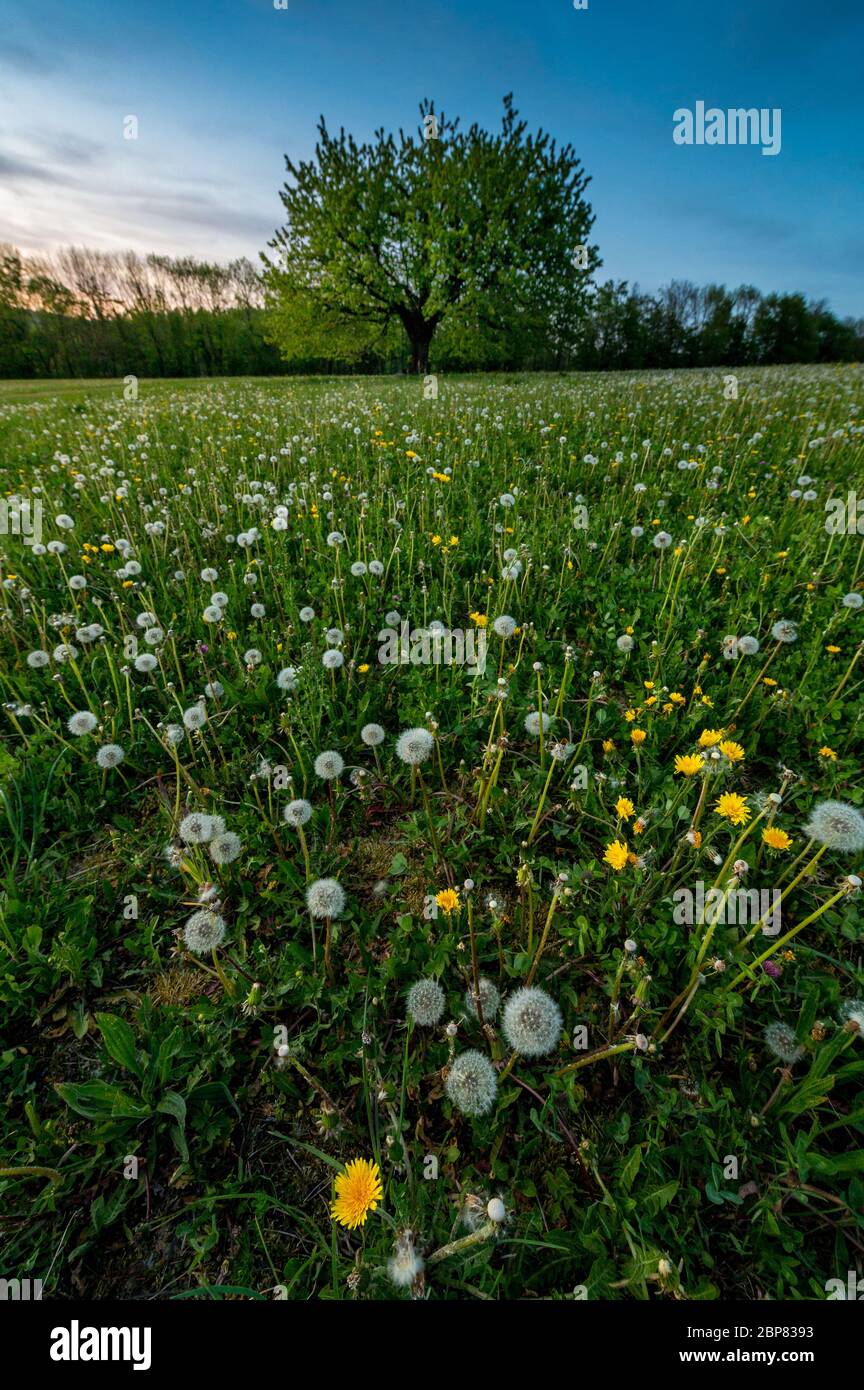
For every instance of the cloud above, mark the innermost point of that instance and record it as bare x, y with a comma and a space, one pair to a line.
14, 168
70, 149
21, 58
200, 212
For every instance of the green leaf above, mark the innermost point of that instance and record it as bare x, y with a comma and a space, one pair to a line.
631, 1167
174, 1105
96, 1100
119, 1041
844, 1163
661, 1197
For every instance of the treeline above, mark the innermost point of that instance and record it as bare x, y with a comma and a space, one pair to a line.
685, 326
84, 313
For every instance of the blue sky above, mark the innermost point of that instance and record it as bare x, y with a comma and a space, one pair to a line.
223, 88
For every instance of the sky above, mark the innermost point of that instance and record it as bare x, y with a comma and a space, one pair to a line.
223, 89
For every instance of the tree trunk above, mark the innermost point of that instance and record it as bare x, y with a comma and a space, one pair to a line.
421, 339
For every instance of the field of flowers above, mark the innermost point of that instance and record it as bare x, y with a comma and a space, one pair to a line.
333, 968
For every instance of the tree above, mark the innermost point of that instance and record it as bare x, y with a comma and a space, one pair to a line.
470, 229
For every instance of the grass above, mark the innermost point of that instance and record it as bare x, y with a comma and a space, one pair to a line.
179, 1100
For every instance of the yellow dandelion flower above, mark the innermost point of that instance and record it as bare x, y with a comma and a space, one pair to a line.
833, 650
709, 737
828, 753
624, 807
447, 900
358, 1191
733, 808
608, 745
638, 736
363, 668
734, 752
688, 765
616, 855
774, 838
629, 715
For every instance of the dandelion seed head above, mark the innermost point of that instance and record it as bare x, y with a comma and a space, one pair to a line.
414, 746
196, 828
836, 825
535, 723
297, 813
81, 722
472, 1084
325, 898
504, 626
225, 848
490, 1000
204, 931
531, 1022
329, 765
110, 755
195, 717
781, 1041
425, 1002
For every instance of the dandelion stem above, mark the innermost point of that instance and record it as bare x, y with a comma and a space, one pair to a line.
543, 939
454, 1247
596, 1057
788, 936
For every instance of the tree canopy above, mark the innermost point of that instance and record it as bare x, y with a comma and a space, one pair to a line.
486, 234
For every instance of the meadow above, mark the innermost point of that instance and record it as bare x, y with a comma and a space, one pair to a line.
328, 977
